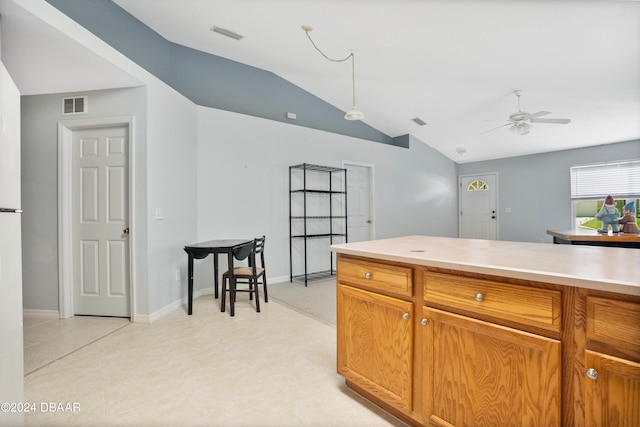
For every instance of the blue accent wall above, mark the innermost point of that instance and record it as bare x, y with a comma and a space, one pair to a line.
213, 81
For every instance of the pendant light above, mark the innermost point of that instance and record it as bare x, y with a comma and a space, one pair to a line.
354, 113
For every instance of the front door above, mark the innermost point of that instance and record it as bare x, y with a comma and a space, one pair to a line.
478, 207
360, 222
100, 221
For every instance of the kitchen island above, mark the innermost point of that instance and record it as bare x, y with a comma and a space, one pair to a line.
446, 332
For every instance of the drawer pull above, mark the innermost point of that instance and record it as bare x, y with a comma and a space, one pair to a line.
405, 316
479, 297
424, 322
367, 275
592, 374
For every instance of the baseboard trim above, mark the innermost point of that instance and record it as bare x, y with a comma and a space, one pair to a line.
281, 279
156, 315
54, 314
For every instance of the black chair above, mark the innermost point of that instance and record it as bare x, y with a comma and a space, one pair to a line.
251, 275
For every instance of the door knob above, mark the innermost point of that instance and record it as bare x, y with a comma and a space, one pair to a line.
126, 230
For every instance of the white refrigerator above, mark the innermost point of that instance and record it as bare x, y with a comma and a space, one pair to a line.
11, 328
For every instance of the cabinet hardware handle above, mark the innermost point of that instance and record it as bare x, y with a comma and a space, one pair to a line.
592, 374
479, 297
367, 275
424, 322
405, 316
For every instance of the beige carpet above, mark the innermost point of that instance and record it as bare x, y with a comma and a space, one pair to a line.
317, 299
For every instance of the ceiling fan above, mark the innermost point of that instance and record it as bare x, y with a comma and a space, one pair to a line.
520, 122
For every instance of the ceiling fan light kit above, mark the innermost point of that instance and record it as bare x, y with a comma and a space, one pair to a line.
520, 122
354, 113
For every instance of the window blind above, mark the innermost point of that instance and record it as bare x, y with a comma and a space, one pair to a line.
619, 179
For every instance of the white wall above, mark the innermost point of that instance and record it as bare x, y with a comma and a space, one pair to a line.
171, 185
243, 188
164, 154
40, 116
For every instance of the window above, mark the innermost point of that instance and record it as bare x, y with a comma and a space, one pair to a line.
477, 186
590, 184
620, 179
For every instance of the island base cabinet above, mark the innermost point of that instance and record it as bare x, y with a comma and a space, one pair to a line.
481, 374
612, 391
375, 344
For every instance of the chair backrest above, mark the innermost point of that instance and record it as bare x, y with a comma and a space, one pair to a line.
260, 248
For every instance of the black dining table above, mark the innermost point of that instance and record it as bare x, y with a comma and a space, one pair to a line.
202, 250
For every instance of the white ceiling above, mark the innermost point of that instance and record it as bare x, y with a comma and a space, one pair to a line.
42, 60
452, 63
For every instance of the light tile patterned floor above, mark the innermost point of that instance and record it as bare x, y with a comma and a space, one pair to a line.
317, 299
274, 368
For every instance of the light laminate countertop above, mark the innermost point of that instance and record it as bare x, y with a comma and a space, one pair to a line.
593, 267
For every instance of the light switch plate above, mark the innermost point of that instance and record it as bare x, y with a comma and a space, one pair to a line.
159, 213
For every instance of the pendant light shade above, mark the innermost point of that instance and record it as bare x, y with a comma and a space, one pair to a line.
354, 114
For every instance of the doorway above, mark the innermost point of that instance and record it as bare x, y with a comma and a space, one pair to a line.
95, 228
478, 206
360, 201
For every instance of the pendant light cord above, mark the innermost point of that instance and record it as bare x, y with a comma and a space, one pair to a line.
353, 64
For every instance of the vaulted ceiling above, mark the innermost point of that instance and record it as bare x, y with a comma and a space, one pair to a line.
454, 64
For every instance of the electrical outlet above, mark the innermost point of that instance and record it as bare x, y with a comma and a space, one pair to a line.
177, 275
159, 213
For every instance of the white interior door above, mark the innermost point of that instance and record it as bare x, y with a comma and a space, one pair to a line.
359, 203
100, 222
478, 206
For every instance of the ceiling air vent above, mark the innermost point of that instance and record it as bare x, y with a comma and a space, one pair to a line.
74, 105
228, 33
419, 121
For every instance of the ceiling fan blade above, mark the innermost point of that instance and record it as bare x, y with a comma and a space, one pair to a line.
538, 114
554, 121
491, 130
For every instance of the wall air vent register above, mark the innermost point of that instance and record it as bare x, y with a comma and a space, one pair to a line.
74, 105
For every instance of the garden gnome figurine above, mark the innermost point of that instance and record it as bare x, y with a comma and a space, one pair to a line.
609, 215
628, 220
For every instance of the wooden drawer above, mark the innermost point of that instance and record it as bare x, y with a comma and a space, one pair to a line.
522, 304
615, 324
374, 275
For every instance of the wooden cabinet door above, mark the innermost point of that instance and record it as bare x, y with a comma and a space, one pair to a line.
612, 391
481, 374
375, 344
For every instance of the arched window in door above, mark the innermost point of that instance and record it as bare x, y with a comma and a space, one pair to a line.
478, 186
